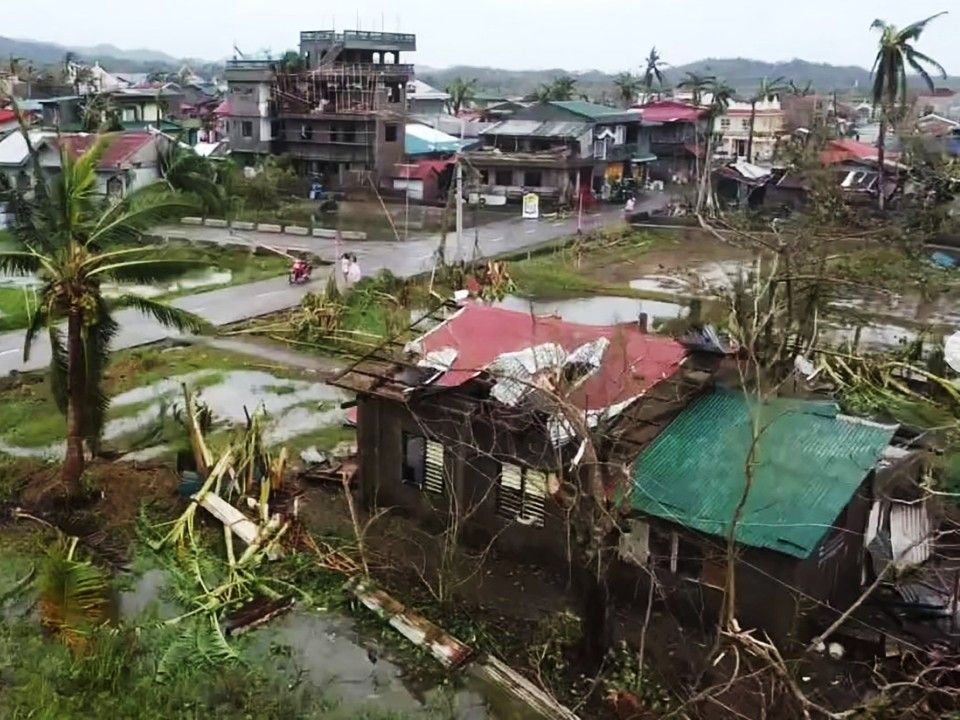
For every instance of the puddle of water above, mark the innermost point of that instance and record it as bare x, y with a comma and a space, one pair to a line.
287, 402
602, 310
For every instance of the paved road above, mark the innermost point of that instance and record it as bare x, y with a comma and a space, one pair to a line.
233, 304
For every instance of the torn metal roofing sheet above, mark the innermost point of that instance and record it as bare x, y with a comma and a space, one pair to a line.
628, 361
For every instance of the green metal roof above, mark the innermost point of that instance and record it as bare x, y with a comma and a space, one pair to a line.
810, 460
586, 109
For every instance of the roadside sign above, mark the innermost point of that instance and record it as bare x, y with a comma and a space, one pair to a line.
531, 206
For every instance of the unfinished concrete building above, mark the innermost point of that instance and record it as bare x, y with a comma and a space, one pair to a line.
339, 111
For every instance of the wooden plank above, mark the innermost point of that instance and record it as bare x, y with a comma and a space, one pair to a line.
499, 673
240, 524
448, 651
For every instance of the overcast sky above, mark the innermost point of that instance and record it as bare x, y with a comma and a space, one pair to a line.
573, 34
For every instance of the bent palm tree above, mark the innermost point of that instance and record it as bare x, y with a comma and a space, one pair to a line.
767, 90
186, 172
73, 243
697, 85
889, 72
653, 71
720, 96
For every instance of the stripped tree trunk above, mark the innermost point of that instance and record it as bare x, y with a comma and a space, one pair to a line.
753, 120
881, 155
73, 464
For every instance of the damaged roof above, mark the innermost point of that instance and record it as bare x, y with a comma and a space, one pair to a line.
538, 128
810, 461
629, 362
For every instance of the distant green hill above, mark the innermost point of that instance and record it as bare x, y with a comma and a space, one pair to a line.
743, 74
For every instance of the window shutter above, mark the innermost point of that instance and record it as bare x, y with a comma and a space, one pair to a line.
433, 478
534, 496
510, 498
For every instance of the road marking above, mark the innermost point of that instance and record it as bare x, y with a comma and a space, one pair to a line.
8, 352
531, 231
272, 292
199, 309
496, 239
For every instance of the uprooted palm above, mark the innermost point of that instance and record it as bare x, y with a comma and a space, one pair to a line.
73, 241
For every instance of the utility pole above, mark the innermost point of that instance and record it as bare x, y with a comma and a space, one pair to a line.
459, 207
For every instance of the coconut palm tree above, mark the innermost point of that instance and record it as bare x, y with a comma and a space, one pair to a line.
800, 90
895, 53
653, 71
628, 86
461, 93
74, 242
190, 174
720, 96
767, 90
697, 85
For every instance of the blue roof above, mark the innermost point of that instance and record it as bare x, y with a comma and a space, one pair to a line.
424, 140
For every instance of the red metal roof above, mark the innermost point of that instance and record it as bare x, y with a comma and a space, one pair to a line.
7, 116
633, 363
666, 111
225, 108
849, 150
423, 169
120, 147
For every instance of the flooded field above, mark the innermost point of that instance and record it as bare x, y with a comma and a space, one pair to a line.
294, 408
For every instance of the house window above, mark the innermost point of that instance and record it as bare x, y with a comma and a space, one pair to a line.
484, 177
423, 462
333, 134
390, 133
306, 132
246, 129
522, 495
724, 123
350, 135
503, 177
533, 178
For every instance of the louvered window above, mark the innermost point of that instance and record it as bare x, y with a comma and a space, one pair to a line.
433, 479
423, 463
522, 495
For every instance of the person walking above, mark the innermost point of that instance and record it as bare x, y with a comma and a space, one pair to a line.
345, 268
353, 272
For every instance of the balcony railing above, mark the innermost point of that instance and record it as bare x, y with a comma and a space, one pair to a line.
250, 64
348, 37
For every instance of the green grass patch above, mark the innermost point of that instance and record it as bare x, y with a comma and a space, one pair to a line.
325, 439
577, 270
13, 308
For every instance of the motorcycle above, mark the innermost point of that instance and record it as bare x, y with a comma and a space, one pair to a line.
300, 273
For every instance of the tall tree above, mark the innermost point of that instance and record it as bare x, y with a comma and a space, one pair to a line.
560, 89
697, 85
767, 90
895, 53
73, 242
800, 90
628, 86
720, 96
461, 92
653, 72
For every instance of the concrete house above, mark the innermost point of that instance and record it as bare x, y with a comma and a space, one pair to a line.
342, 119
561, 150
677, 139
733, 130
130, 160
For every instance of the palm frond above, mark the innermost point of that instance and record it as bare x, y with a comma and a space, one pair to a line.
147, 271
73, 594
128, 219
58, 369
96, 353
40, 320
19, 263
914, 30
919, 56
165, 314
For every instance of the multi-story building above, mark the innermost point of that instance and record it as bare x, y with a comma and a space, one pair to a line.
733, 131
339, 111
